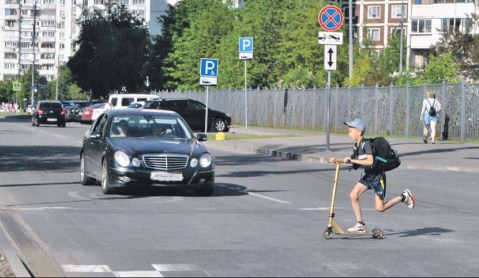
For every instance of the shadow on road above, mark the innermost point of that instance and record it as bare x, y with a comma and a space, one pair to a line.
39, 158
432, 231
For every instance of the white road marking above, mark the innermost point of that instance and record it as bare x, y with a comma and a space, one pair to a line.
175, 267
327, 208
59, 136
137, 274
133, 273
268, 198
86, 268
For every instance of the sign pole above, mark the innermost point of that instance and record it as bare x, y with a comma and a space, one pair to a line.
328, 110
330, 18
206, 112
245, 95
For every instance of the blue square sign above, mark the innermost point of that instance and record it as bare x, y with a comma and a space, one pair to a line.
245, 48
208, 71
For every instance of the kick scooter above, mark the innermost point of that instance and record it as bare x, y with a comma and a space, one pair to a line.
333, 227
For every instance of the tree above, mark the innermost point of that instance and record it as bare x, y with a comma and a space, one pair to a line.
205, 23
441, 69
464, 49
112, 52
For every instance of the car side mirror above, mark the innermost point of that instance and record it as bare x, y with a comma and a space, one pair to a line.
94, 135
202, 137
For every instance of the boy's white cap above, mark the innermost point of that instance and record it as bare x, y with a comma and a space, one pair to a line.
357, 124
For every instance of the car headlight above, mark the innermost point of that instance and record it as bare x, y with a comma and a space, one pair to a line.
205, 160
193, 162
135, 162
122, 159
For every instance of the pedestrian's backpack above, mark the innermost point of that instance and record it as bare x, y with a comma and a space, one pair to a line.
432, 110
384, 155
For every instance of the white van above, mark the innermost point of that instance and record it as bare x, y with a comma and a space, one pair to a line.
123, 100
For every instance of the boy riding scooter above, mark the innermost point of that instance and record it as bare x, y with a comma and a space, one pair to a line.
372, 177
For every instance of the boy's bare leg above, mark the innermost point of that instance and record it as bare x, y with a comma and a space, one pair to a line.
382, 206
357, 191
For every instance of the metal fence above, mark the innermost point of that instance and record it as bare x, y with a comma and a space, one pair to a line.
386, 110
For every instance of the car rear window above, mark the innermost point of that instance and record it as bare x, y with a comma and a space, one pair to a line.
51, 105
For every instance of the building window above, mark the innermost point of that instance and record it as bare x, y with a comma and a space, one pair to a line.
397, 12
10, 56
9, 66
10, 23
26, 45
421, 26
396, 32
374, 12
373, 34
462, 25
10, 12
10, 44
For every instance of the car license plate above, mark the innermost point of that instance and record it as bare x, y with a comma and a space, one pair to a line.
51, 120
165, 176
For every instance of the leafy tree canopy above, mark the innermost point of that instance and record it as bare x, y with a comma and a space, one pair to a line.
113, 49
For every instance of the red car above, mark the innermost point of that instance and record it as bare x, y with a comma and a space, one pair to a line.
90, 113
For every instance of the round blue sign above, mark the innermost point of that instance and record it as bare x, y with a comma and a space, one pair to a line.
330, 18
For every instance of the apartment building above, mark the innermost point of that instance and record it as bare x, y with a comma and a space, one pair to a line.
431, 18
54, 23
422, 22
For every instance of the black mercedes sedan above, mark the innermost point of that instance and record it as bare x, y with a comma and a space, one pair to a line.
127, 148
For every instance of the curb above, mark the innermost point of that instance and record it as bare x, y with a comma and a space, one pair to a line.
287, 155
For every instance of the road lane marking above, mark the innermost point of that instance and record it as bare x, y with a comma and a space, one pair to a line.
175, 267
86, 268
139, 273
267, 198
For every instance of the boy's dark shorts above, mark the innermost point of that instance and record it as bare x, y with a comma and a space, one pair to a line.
378, 185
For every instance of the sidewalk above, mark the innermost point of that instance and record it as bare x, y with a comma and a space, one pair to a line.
311, 146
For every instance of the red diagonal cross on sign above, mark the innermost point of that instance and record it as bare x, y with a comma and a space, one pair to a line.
330, 18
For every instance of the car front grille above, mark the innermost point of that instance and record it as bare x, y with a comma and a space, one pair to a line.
165, 161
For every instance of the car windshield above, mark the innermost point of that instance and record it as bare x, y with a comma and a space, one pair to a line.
160, 127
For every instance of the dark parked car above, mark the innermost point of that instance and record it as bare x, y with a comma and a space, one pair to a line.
49, 112
193, 112
136, 147
74, 113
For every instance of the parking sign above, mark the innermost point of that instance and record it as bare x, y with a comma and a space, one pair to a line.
208, 71
246, 48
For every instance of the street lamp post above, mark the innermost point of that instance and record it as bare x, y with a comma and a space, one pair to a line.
33, 47
401, 38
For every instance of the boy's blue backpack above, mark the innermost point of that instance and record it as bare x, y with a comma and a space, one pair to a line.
384, 155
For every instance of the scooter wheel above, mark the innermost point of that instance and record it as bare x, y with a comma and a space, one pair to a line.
377, 233
328, 233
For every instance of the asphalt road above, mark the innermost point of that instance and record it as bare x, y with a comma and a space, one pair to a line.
266, 218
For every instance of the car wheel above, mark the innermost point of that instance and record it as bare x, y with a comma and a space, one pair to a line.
205, 190
105, 181
219, 125
85, 180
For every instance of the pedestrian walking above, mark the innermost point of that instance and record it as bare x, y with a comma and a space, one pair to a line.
429, 116
372, 177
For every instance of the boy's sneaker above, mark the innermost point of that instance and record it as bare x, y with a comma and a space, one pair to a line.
358, 228
424, 140
408, 198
